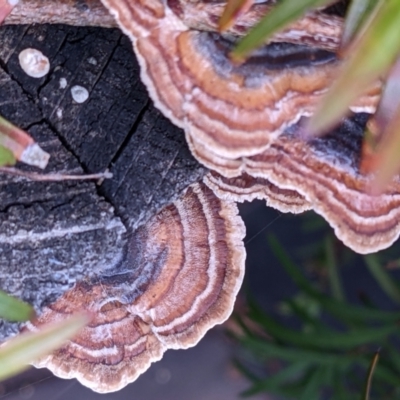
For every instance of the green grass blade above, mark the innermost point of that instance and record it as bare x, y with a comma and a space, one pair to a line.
13, 309
385, 281
344, 311
333, 273
313, 386
305, 316
244, 371
384, 373
272, 384
282, 14
6, 157
359, 11
25, 348
369, 58
292, 354
329, 340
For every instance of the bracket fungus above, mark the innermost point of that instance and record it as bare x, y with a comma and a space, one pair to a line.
241, 120
231, 110
324, 175
183, 268
179, 277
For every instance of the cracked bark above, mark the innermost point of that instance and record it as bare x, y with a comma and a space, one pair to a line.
52, 234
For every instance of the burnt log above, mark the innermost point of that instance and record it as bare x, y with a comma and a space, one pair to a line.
53, 234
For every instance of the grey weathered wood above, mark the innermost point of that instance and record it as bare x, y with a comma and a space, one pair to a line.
71, 12
52, 234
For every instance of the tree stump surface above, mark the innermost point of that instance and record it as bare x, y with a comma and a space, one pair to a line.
54, 233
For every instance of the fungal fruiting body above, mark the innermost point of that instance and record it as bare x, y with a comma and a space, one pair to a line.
233, 111
34, 63
179, 277
79, 94
243, 122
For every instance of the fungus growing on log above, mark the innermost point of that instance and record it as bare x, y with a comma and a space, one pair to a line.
324, 173
247, 188
239, 120
180, 277
232, 111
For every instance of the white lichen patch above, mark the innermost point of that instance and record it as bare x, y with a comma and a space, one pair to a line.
34, 63
92, 60
79, 94
63, 83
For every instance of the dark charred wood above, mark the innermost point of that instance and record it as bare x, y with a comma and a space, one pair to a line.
52, 234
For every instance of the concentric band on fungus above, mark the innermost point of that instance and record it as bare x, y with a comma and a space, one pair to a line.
179, 277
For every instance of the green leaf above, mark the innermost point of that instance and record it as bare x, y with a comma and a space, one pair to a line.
18, 352
369, 58
282, 14
6, 157
386, 282
13, 309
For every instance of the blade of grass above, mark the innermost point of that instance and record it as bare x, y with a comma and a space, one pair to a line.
382, 277
330, 340
273, 383
333, 273
13, 309
313, 386
292, 354
305, 317
344, 311
282, 14
381, 138
357, 14
368, 58
6, 157
23, 147
383, 373
387, 161
18, 352
392, 356
371, 369
6, 7
244, 371
232, 11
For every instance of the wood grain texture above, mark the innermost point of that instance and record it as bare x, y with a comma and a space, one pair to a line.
70, 12
53, 234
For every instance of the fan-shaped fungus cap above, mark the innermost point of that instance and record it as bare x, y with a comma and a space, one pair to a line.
325, 173
180, 277
247, 188
232, 111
